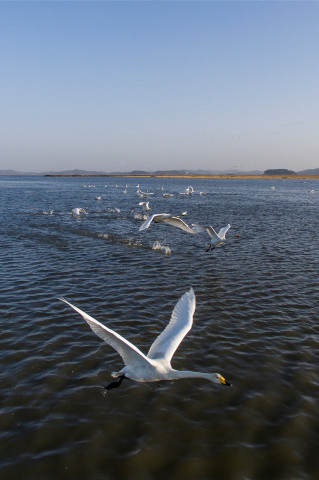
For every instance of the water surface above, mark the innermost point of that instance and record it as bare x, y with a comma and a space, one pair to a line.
256, 323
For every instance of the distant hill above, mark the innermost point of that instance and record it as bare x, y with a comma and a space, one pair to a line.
313, 171
76, 172
136, 172
189, 172
206, 172
64, 172
279, 171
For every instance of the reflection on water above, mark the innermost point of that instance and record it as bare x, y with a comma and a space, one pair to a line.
256, 322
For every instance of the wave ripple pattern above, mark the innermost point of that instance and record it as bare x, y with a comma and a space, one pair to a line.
256, 322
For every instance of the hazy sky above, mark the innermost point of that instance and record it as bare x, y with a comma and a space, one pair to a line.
159, 85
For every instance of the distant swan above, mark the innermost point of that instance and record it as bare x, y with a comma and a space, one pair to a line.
78, 211
189, 190
145, 206
167, 218
216, 239
156, 365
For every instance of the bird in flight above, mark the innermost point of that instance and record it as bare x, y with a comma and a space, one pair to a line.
176, 221
156, 365
216, 239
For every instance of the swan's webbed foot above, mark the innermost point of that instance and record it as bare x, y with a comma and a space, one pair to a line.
115, 384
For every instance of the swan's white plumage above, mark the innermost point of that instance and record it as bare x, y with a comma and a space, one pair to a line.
78, 211
145, 206
166, 218
180, 324
216, 238
157, 364
130, 354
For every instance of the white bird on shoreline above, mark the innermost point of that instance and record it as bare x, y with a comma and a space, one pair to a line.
156, 365
216, 239
167, 218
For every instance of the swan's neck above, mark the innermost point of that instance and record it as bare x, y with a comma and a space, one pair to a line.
177, 374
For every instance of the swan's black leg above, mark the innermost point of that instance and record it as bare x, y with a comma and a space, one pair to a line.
115, 384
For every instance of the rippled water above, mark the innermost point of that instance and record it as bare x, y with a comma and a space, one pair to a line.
256, 322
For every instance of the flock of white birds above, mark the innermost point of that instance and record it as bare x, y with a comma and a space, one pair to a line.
156, 365
216, 239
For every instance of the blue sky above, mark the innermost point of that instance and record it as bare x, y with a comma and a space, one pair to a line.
159, 85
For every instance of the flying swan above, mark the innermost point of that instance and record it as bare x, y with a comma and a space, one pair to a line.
156, 365
76, 212
145, 206
167, 218
216, 239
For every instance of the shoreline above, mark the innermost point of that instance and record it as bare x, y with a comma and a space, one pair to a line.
224, 176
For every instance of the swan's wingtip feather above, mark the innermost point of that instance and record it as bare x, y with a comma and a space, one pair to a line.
191, 295
65, 301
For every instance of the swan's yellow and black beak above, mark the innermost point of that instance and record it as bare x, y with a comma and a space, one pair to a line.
223, 381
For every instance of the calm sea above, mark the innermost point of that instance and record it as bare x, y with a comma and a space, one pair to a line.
256, 323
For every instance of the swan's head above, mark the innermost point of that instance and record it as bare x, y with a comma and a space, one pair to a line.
222, 380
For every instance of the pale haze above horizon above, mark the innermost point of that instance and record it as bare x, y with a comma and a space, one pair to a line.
122, 86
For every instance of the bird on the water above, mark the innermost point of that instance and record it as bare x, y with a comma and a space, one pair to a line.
76, 212
216, 239
156, 365
145, 206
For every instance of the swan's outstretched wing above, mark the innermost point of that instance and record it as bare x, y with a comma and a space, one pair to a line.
223, 231
180, 324
130, 354
157, 217
205, 228
167, 218
145, 205
179, 223
198, 228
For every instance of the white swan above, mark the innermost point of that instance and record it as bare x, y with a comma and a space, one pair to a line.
216, 239
189, 190
156, 365
143, 194
145, 206
78, 211
167, 218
